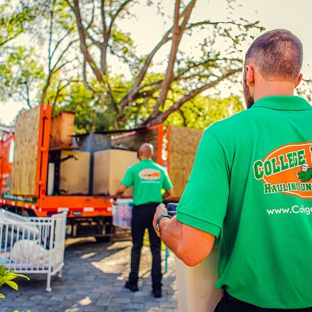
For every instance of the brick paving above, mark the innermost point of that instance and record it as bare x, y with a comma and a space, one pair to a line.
93, 280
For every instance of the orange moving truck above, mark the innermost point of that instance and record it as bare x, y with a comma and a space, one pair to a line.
45, 169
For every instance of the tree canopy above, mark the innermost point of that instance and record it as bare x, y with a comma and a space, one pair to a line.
75, 46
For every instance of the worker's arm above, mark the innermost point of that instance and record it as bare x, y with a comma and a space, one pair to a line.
120, 190
189, 244
167, 194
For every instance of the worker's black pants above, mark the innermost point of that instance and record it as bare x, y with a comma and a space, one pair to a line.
230, 304
142, 218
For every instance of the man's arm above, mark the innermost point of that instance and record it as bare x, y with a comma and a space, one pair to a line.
189, 244
120, 190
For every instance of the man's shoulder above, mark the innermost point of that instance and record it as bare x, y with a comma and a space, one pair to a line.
135, 166
143, 165
237, 119
152, 165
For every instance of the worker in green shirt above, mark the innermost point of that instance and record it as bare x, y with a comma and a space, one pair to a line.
148, 179
251, 186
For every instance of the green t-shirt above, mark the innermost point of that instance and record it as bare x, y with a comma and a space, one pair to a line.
148, 179
252, 179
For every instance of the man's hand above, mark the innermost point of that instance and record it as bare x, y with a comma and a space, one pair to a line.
189, 244
114, 201
120, 190
161, 208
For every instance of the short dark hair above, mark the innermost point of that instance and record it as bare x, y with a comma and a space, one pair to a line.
277, 54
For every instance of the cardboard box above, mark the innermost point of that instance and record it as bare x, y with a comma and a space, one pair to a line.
74, 173
109, 167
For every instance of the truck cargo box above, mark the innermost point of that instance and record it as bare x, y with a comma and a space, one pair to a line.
74, 173
109, 168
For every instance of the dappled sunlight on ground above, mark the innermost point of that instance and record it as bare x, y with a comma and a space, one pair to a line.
93, 280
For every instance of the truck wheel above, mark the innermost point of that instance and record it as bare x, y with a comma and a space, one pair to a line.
103, 239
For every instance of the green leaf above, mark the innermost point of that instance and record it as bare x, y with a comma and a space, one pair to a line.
21, 275
2, 270
12, 285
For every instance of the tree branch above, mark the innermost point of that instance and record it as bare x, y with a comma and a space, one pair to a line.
84, 75
177, 36
162, 116
62, 54
83, 44
130, 96
113, 17
59, 89
64, 64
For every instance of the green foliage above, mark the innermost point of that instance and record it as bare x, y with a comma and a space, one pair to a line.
82, 77
123, 46
20, 74
6, 277
91, 113
91, 109
20, 16
76, 98
201, 111
12, 24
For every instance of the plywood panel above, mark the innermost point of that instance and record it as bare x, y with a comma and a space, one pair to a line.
134, 141
74, 173
109, 167
26, 152
62, 127
182, 148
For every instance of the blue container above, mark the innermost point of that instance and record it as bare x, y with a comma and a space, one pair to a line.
172, 208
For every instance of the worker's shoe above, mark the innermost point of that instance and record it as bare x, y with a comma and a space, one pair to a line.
132, 287
157, 293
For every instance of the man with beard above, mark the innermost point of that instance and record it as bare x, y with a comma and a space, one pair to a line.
244, 188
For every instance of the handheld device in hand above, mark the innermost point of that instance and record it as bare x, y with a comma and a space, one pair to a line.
172, 208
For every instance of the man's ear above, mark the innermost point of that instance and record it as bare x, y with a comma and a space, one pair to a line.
298, 81
250, 75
